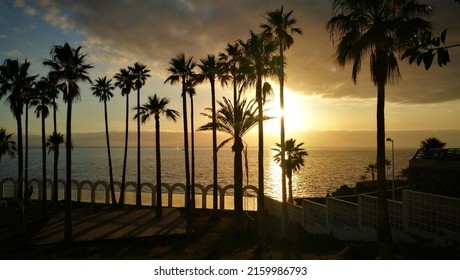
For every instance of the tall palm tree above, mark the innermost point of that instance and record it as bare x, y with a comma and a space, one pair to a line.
103, 90
41, 100
16, 82
258, 51
190, 89
232, 60
53, 142
156, 107
380, 29
27, 97
294, 160
211, 69
281, 26
181, 70
235, 120
68, 65
140, 74
125, 81
7, 146
52, 88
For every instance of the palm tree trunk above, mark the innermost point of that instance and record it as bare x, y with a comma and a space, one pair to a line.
20, 169
26, 169
112, 188
192, 128
284, 222
238, 175
44, 197
68, 236
158, 212
123, 176
214, 147
186, 156
56, 158
290, 199
138, 189
261, 194
384, 231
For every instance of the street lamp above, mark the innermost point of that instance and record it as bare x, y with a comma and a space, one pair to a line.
393, 166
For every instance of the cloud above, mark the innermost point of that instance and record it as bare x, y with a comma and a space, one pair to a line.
28, 10
121, 32
14, 53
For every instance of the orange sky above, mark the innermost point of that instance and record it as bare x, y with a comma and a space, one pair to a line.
321, 99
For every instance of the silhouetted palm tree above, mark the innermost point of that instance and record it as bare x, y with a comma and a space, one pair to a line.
7, 146
52, 88
431, 143
68, 64
156, 107
16, 81
125, 81
140, 74
190, 89
281, 26
235, 120
371, 168
294, 155
258, 51
53, 142
40, 99
26, 148
381, 29
181, 70
103, 90
211, 69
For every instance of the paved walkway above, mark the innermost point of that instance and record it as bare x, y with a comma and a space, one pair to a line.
112, 224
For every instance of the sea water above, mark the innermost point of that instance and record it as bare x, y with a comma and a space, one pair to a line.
324, 170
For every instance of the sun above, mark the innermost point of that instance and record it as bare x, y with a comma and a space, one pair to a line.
297, 113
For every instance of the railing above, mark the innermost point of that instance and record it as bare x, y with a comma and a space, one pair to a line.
173, 195
439, 154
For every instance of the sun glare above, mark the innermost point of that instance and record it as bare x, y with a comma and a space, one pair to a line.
296, 113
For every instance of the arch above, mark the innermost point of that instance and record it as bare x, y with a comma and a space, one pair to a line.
4, 182
152, 193
168, 191
80, 186
130, 189
222, 195
206, 191
35, 181
200, 195
248, 198
94, 188
173, 188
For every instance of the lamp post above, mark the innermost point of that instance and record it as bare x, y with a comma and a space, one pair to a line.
393, 166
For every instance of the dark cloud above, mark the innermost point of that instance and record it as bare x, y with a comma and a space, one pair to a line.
157, 30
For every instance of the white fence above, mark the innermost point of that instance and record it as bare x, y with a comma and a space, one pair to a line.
173, 195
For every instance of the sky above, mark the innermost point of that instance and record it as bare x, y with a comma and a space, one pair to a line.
323, 105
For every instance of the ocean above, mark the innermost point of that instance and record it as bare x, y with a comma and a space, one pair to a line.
324, 171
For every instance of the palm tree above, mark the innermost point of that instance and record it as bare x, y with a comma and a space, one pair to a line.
235, 120
431, 144
52, 88
281, 26
26, 146
103, 90
140, 74
211, 69
190, 89
68, 64
156, 107
7, 146
15, 80
125, 81
371, 168
381, 29
54, 140
41, 100
258, 51
181, 70
294, 160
